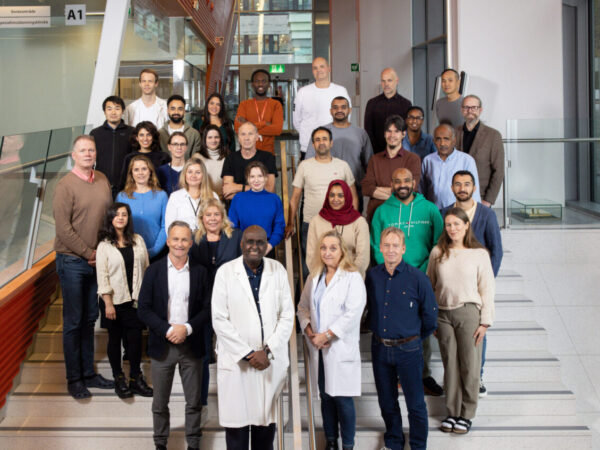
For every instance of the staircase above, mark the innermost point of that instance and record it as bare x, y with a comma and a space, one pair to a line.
527, 405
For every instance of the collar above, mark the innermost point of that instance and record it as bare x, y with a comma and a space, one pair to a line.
394, 97
120, 125
475, 128
185, 268
82, 176
449, 157
250, 272
400, 153
401, 267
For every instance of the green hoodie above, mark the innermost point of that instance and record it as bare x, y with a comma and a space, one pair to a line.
420, 221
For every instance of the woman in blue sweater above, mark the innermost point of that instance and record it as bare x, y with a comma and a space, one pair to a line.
258, 207
148, 204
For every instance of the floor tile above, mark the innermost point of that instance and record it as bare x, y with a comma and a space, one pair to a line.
575, 378
581, 323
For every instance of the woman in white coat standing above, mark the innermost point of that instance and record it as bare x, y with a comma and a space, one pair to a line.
329, 313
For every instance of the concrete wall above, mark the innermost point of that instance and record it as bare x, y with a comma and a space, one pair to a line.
512, 51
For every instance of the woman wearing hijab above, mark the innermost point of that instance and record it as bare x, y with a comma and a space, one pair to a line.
339, 214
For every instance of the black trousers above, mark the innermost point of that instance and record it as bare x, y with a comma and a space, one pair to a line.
261, 437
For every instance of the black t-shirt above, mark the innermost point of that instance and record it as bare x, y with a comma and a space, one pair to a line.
469, 137
235, 165
127, 254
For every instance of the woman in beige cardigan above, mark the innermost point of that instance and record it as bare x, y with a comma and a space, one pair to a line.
121, 259
339, 214
460, 270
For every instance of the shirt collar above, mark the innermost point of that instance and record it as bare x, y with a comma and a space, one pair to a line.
250, 272
400, 153
82, 176
401, 267
186, 267
449, 157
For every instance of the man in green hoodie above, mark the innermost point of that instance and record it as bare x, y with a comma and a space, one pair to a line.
422, 224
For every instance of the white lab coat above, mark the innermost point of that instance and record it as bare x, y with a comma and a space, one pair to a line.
248, 396
341, 309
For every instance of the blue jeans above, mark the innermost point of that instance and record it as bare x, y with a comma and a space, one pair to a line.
80, 312
402, 363
334, 410
483, 355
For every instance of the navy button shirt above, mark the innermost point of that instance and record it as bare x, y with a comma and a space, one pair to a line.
401, 305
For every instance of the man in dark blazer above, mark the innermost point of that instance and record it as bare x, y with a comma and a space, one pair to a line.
174, 302
484, 144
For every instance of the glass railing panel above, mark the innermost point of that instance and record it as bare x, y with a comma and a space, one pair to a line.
549, 182
21, 155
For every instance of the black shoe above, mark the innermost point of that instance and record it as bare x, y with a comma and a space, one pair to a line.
121, 387
98, 381
431, 387
161, 447
78, 390
138, 386
331, 445
482, 389
193, 448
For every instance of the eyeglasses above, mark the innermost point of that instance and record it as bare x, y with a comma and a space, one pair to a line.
470, 108
414, 118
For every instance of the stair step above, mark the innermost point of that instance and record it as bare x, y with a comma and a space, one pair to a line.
509, 282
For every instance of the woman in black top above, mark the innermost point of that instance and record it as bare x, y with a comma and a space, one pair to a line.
121, 259
216, 243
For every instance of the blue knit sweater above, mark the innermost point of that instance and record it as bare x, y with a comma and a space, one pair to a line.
487, 231
148, 213
259, 208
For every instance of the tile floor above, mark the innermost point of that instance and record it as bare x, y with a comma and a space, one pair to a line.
562, 276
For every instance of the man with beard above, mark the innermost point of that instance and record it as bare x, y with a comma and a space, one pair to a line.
484, 144
265, 113
376, 183
422, 224
148, 107
176, 111
313, 177
350, 143
438, 168
484, 225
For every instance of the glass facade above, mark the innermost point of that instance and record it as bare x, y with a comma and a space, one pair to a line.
595, 98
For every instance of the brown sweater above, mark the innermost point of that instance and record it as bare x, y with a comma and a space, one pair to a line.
79, 209
380, 171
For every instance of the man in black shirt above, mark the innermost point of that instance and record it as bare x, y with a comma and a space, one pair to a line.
234, 167
112, 141
383, 106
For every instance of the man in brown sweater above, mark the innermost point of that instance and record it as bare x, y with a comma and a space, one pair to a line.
80, 202
378, 180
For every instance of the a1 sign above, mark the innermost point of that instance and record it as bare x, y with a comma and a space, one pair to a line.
74, 14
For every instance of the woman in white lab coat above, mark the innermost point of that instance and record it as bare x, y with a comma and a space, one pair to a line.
329, 314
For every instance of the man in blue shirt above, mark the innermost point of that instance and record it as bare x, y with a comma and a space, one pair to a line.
416, 140
438, 168
403, 312
485, 227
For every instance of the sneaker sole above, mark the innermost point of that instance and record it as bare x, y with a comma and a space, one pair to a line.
447, 430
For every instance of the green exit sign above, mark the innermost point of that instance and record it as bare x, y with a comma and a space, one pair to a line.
277, 68
354, 67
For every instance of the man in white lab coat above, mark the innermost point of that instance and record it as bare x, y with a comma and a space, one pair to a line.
252, 314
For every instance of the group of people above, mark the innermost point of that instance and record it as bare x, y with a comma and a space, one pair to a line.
187, 250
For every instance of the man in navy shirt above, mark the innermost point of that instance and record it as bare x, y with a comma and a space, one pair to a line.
485, 227
403, 313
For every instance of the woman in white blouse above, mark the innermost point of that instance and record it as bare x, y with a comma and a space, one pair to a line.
184, 203
329, 313
121, 259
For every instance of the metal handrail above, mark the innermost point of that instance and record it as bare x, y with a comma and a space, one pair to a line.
548, 140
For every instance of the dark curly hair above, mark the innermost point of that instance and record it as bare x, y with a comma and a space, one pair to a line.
107, 231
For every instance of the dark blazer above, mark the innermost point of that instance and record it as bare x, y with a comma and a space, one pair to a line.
227, 250
488, 151
487, 231
153, 306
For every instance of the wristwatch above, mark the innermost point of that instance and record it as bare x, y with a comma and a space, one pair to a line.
269, 353
328, 335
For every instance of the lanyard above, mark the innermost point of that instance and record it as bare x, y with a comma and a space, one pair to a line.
260, 116
194, 208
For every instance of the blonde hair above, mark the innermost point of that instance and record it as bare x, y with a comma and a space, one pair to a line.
152, 180
227, 225
345, 263
206, 192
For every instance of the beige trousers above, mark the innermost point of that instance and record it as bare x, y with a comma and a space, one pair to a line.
461, 358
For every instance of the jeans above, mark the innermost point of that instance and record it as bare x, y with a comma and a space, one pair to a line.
402, 363
483, 355
80, 311
334, 409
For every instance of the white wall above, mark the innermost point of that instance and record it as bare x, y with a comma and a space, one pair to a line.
512, 50
385, 41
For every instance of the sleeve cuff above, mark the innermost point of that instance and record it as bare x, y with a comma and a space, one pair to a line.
189, 329
168, 331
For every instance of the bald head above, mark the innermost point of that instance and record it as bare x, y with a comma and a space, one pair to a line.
402, 172
444, 138
403, 185
254, 246
247, 136
321, 70
389, 82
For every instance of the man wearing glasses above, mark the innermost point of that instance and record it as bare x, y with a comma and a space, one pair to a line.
484, 144
416, 140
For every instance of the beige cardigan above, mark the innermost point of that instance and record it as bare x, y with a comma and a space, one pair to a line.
355, 236
110, 270
465, 276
